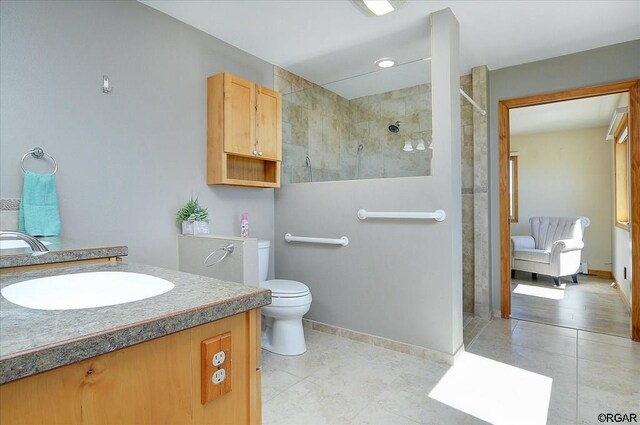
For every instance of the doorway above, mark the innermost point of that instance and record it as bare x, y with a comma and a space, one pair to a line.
633, 89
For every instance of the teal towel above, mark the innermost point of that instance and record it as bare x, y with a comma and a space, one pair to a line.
39, 214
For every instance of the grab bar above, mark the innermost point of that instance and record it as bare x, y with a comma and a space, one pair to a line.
344, 241
438, 215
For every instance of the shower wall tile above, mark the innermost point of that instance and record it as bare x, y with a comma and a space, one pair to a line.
299, 83
482, 297
418, 103
482, 294
294, 169
392, 108
370, 166
284, 86
468, 253
330, 128
467, 156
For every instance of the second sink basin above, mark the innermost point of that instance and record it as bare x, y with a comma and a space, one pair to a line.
85, 290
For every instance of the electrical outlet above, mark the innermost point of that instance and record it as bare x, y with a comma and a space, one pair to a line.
218, 376
218, 358
215, 367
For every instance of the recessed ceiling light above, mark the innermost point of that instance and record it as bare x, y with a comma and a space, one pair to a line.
378, 7
385, 62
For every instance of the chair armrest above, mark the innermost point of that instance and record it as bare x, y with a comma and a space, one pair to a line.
565, 245
522, 242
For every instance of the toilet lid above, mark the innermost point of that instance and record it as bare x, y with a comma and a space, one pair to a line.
289, 288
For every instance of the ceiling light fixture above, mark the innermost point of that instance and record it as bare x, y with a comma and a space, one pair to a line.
379, 7
385, 62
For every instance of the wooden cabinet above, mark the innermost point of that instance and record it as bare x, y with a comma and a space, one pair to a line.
155, 382
244, 132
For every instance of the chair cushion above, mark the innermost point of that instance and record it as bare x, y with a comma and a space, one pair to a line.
535, 255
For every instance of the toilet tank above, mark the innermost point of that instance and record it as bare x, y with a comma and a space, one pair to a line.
263, 259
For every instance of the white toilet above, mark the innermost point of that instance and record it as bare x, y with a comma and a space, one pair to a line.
282, 320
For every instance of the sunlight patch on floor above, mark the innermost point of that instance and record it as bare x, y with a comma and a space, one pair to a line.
495, 392
536, 291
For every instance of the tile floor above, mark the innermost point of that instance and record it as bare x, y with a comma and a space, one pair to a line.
591, 305
514, 372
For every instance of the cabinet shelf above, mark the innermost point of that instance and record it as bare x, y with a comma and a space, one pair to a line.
244, 171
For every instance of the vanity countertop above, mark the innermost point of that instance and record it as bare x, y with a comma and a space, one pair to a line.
60, 250
33, 341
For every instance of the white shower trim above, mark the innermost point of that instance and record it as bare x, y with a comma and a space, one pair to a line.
389, 344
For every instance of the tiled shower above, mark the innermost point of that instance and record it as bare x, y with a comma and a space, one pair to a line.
327, 137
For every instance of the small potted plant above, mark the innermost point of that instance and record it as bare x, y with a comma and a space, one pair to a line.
193, 218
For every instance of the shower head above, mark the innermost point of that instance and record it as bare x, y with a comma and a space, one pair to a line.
394, 128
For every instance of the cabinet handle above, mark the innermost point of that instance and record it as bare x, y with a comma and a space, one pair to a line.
255, 153
260, 153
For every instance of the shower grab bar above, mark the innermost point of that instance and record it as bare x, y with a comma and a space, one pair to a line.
438, 215
344, 241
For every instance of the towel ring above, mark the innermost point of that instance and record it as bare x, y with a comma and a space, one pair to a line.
228, 249
39, 153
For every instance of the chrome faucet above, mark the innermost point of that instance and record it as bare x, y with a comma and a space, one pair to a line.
37, 247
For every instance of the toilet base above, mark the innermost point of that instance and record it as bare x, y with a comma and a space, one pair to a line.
283, 336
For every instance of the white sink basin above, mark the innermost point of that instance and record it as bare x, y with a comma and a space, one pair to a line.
85, 290
16, 243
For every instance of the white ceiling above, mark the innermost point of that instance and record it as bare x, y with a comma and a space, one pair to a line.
570, 115
329, 40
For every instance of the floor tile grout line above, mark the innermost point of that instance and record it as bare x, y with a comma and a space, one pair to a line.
289, 386
475, 337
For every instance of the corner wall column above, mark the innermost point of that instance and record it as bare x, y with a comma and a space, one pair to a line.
446, 164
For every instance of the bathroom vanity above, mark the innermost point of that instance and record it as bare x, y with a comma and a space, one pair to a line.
145, 362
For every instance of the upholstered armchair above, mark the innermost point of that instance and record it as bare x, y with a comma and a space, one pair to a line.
553, 249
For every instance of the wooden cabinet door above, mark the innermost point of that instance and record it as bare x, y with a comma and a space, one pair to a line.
239, 115
269, 123
154, 382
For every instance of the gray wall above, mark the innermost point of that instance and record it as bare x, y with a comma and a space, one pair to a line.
393, 278
597, 66
399, 279
130, 159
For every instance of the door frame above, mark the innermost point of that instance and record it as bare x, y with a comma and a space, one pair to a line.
504, 106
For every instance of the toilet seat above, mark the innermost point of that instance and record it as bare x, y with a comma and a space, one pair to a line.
281, 288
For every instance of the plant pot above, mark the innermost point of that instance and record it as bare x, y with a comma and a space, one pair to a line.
195, 228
